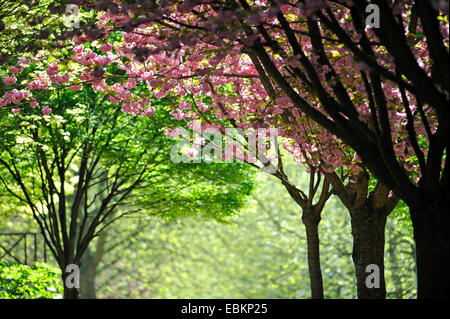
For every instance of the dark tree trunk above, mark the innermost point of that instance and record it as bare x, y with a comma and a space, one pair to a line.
431, 227
368, 214
69, 293
69, 277
368, 228
311, 219
311, 222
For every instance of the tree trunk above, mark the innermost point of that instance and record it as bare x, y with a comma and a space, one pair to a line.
312, 238
70, 278
368, 227
89, 266
87, 276
431, 227
69, 293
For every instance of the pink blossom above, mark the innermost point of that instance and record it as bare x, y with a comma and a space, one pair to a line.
174, 132
15, 111
102, 60
9, 80
326, 69
178, 115
150, 111
106, 47
52, 69
33, 85
160, 94
118, 88
294, 63
283, 102
75, 87
125, 95
38, 58
33, 103
131, 84
64, 79
16, 69
81, 39
25, 94
54, 78
78, 49
184, 105
91, 55
46, 110
23, 62
192, 152
113, 100
147, 76
277, 110
356, 158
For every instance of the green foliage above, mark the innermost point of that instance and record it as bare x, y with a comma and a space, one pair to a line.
39, 152
260, 253
33, 26
400, 264
401, 213
29, 282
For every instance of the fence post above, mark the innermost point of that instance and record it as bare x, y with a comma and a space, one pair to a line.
35, 246
25, 247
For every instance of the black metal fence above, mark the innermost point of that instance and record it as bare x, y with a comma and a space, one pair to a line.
24, 248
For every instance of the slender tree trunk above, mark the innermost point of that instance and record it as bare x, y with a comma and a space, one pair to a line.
311, 219
87, 276
368, 230
430, 220
89, 266
312, 237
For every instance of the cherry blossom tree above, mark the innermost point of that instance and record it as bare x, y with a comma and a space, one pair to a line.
382, 92
332, 68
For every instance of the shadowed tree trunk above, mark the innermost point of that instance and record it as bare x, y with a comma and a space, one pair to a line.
70, 292
368, 227
368, 214
311, 218
431, 224
311, 222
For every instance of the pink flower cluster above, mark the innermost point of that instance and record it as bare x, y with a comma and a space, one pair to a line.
14, 96
9, 79
40, 83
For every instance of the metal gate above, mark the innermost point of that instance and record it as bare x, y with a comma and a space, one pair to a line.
22, 248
